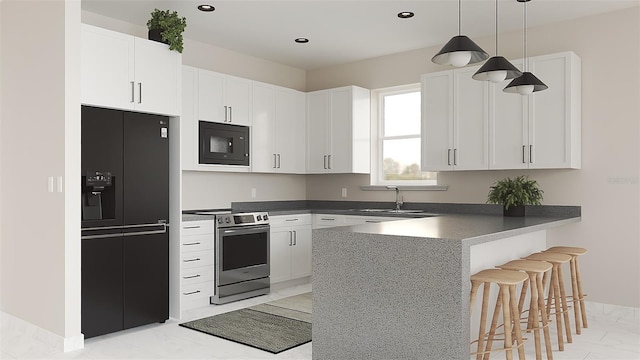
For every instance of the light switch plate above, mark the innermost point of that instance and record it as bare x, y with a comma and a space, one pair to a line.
344, 192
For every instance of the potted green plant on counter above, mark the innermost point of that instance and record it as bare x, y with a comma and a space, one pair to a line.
167, 27
514, 194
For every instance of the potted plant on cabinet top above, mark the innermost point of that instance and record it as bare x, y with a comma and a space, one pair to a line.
167, 27
514, 194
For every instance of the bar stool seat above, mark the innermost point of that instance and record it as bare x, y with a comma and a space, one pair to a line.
577, 294
537, 309
507, 280
557, 293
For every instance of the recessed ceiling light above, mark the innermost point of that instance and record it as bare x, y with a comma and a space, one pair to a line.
301, 40
405, 14
206, 8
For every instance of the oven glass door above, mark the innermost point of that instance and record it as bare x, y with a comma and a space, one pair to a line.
242, 254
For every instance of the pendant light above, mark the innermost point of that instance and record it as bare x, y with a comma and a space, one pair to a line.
527, 83
497, 68
460, 50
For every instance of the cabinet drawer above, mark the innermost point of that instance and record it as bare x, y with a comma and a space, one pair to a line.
196, 275
195, 259
323, 220
195, 291
290, 220
196, 243
196, 228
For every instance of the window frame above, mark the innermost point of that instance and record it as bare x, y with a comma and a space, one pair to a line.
377, 168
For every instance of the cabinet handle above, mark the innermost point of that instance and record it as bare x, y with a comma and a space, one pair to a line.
328, 219
133, 92
448, 156
191, 293
290, 238
291, 219
279, 163
140, 90
191, 227
324, 162
275, 162
191, 277
531, 154
230, 113
523, 147
188, 244
225, 113
455, 156
372, 221
191, 260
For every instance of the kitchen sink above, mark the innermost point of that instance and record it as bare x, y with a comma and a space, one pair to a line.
392, 211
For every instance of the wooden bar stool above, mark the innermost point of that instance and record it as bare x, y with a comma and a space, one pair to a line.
507, 281
537, 309
576, 284
557, 293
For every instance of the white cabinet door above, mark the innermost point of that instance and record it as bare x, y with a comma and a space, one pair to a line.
280, 257
157, 74
301, 252
263, 130
238, 100
340, 155
554, 114
318, 131
211, 105
188, 119
470, 121
107, 72
437, 121
290, 130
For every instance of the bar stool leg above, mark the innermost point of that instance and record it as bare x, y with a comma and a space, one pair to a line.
532, 321
583, 310
483, 319
494, 326
565, 309
504, 290
554, 291
545, 319
515, 315
575, 294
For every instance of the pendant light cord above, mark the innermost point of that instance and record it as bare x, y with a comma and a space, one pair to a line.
526, 61
459, 22
496, 27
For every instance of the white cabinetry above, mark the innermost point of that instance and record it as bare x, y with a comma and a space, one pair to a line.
196, 263
330, 220
290, 248
455, 121
125, 72
542, 130
223, 98
278, 130
338, 130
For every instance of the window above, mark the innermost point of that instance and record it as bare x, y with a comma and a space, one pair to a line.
398, 146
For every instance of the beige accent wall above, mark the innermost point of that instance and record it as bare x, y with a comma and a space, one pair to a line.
607, 185
40, 251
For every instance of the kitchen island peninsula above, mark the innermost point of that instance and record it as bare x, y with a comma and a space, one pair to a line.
400, 290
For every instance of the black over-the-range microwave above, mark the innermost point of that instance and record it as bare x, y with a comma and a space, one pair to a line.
223, 144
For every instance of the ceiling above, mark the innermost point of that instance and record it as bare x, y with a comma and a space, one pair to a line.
348, 30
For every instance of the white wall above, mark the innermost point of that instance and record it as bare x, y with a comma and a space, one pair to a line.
607, 185
40, 252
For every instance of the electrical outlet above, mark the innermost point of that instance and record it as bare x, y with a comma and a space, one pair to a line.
344, 192
253, 193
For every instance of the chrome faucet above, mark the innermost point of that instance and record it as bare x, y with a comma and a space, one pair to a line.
399, 201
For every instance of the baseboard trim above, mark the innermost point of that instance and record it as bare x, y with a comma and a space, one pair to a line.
15, 327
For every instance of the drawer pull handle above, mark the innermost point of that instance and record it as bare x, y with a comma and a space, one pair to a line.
191, 227
191, 277
328, 219
191, 293
187, 244
372, 221
190, 260
292, 219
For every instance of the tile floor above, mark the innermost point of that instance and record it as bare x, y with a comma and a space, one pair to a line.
613, 334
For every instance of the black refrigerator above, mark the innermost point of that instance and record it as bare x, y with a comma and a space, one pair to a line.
125, 213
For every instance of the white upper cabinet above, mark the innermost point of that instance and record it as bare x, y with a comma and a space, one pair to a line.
542, 130
223, 98
124, 72
338, 130
189, 120
278, 130
455, 120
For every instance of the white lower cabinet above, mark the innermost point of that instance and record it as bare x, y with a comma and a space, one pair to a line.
290, 247
196, 263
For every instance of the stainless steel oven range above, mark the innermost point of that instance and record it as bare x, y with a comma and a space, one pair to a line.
241, 257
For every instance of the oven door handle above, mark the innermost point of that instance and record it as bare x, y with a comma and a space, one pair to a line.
245, 230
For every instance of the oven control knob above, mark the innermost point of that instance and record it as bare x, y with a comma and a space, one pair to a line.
227, 220
219, 220
259, 217
265, 218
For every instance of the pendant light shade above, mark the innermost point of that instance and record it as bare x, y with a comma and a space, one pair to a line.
460, 50
527, 83
497, 68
